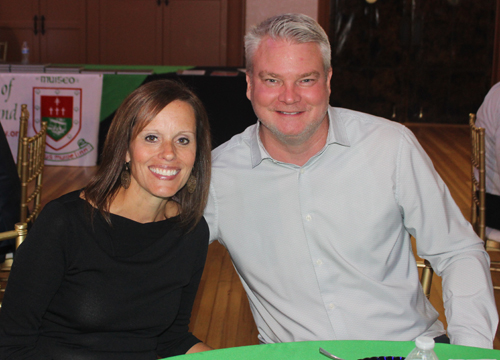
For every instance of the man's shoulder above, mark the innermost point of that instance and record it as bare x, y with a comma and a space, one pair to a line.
359, 124
237, 143
348, 115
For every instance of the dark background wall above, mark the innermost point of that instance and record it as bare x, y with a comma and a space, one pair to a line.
412, 60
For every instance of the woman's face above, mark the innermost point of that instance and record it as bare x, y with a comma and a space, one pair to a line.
163, 153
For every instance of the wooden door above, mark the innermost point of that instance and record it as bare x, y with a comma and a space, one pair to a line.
195, 33
62, 32
17, 25
130, 32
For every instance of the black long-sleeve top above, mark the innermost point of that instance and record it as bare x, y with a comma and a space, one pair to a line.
82, 291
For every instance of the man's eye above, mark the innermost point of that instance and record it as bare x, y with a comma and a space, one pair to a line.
272, 81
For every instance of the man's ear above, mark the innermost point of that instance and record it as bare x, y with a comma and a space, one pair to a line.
249, 87
328, 79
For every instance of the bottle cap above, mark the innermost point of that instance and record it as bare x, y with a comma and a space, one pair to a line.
425, 342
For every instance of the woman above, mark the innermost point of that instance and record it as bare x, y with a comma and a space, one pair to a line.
111, 272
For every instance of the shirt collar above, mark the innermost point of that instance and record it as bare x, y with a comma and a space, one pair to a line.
337, 134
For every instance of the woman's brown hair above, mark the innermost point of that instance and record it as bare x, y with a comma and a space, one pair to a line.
136, 111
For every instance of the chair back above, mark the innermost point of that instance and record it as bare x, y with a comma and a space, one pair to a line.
426, 277
31, 157
20, 233
478, 178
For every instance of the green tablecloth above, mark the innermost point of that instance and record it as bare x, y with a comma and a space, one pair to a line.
346, 349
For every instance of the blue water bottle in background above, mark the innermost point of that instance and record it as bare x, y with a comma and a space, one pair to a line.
424, 349
25, 52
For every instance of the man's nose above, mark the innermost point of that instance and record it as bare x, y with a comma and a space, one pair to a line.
289, 94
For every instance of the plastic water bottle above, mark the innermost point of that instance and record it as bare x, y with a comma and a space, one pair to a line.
424, 349
25, 51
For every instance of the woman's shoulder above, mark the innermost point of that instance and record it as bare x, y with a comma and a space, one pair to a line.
199, 233
66, 204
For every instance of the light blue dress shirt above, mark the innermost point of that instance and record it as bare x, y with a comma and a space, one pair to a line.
323, 250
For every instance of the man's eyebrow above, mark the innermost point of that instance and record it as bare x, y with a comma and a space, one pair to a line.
264, 74
312, 73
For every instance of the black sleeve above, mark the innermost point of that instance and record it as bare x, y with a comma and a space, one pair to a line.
177, 339
37, 272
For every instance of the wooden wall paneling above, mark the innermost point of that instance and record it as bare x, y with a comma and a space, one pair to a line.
59, 34
93, 43
194, 32
65, 27
16, 26
324, 15
130, 32
235, 33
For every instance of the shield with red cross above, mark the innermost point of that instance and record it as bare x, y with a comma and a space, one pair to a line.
61, 109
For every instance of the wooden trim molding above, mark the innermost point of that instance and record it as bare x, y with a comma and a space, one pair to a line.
235, 32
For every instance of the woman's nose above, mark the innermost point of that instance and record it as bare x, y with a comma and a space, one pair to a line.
168, 151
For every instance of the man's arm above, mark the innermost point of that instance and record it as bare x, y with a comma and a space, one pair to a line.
447, 240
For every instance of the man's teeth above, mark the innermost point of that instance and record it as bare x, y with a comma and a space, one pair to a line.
165, 172
289, 113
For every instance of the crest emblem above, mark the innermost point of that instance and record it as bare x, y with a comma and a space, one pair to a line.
61, 109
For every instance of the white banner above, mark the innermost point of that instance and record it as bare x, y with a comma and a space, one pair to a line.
71, 105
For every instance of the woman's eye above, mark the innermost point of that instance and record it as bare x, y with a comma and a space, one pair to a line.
151, 138
184, 141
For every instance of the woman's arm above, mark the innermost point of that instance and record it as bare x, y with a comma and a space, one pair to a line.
199, 348
178, 340
37, 272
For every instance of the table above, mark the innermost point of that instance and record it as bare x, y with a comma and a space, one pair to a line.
346, 349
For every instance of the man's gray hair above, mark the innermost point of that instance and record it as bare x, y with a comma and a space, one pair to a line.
295, 28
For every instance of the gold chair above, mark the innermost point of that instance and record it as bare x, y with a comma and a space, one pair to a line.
30, 163
3, 51
478, 190
426, 276
20, 233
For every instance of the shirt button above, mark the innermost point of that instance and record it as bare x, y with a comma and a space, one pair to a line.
331, 306
308, 217
302, 171
319, 262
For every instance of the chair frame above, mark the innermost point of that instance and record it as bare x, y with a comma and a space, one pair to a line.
478, 189
426, 277
30, 164
20, 233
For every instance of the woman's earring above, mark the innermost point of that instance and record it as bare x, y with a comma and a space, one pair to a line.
191, 184
125, 175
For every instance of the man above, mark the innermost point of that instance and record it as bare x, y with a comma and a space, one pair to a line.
488, 117
316, 206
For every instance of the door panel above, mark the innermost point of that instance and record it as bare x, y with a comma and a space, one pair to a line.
195, 33
64, 25
131, 32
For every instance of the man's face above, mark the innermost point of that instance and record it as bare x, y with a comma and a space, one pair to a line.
289, 91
